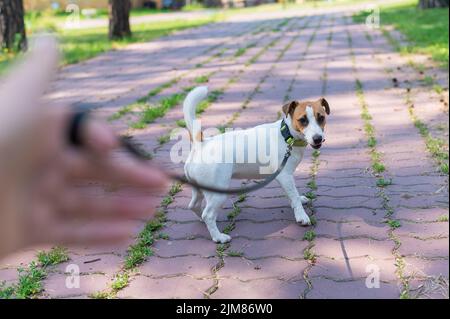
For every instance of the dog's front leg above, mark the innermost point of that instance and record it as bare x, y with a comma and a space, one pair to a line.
288, 184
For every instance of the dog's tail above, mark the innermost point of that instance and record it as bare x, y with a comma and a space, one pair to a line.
189, 109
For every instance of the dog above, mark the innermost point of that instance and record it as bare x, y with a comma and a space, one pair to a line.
302, 124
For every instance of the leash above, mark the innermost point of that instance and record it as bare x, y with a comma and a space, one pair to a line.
74, 138
138, 153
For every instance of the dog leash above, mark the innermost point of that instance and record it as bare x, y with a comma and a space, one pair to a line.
138, 153
74, 138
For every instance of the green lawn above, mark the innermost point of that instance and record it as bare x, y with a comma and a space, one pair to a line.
79, 45
426, 30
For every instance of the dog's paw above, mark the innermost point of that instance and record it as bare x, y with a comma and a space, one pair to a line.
222, 238
304, 199
303, 220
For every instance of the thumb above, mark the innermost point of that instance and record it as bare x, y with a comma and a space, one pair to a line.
24, 85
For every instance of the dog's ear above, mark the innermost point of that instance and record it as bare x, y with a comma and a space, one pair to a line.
289, 107
325, 105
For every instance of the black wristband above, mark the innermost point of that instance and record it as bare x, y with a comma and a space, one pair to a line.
75, 128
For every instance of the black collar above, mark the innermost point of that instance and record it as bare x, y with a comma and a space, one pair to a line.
288, 138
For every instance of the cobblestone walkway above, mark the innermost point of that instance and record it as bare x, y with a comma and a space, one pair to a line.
380, 200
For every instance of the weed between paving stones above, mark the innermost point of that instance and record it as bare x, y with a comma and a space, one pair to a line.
214, 95
437, 147
142, 102
30, 279
221, 249
378, 168
141, 250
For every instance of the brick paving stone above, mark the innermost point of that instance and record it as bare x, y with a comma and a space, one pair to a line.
351, 248
348, 205
245, 270
423, 230
351, 229
424, 248
188, 265
421, 215
276, 228
56, 287
259, 289
420, 268
354, 268
269, 247
177, 287
326, 289
173, 248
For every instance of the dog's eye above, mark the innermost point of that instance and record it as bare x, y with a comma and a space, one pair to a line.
303, 121
320, 118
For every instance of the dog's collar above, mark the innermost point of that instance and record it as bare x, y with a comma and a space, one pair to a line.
288, 138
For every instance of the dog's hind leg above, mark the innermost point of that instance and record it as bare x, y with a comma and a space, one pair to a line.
196, 202
209, 216
304, 199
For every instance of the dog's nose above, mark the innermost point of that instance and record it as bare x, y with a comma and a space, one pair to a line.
317, 139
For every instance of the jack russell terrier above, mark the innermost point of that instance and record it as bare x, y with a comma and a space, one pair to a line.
234, 155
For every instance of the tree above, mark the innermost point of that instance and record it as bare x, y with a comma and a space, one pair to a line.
119, 19
12, 25
426, 4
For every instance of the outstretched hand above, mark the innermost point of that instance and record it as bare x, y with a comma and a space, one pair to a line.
41, 197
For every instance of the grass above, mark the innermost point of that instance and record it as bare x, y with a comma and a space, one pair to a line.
394, 223
377, 166
309, 255
213, 96
232, 253
55, 256
382, 182
163, 236
427, 80
151, 112
181, 123
120, 281
81, 44
435, 146
428, 34
138, 252
312, 185
309, 235
30, 281
163, 139
202, 79
443, 218
310, 195
30, 278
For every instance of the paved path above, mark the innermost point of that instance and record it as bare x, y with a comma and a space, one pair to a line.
300, 57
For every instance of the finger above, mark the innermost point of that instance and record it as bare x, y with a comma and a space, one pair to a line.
99, 137
79, 165
73, 204
21, 89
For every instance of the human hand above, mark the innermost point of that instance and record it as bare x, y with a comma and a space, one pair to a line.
41, 200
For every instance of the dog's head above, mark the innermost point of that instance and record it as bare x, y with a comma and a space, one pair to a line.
307, 120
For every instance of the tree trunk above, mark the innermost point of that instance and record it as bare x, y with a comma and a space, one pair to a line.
426, 4
12, 26
119, 19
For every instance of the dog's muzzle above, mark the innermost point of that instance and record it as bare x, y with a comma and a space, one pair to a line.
316, 146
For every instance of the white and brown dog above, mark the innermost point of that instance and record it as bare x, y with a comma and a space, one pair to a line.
214, 161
